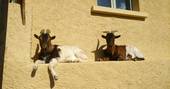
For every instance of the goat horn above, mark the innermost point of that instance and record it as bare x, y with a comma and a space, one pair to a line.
48, 31
42, 31
106, 31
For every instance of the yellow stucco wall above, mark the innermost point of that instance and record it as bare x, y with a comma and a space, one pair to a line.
73, 24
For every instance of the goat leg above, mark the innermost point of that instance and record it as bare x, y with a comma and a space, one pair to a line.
36, 55
52, 64
35, 67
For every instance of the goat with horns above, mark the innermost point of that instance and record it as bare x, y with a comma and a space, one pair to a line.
119, 52
53, 54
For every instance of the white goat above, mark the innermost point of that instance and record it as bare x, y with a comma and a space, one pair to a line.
133, 52
54, 54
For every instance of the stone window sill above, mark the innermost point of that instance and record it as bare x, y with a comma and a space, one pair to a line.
118, 12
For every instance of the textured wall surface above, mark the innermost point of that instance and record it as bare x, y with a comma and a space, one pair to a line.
73, 24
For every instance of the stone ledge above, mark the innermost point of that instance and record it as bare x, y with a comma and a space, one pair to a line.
118, 12
94, 75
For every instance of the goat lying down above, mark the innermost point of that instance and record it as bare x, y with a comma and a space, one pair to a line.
118, 52
54, 54
132, 53
71, 54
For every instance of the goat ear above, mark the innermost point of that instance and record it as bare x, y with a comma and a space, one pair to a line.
36, 36
53, 37
103, 36
117, 36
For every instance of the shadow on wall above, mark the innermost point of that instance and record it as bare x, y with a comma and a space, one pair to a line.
117, 16
3, 26
22, 6
52, 82
99, 53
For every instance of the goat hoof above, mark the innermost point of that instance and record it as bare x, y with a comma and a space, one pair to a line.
55, 77
35, 67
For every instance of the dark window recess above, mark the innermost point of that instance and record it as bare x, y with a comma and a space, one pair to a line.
105, 3
124, 4
120, 4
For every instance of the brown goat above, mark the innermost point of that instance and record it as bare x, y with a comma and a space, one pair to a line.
120, 52
48, 52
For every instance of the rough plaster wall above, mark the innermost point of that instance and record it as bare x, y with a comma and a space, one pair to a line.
17, 53
73, 24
